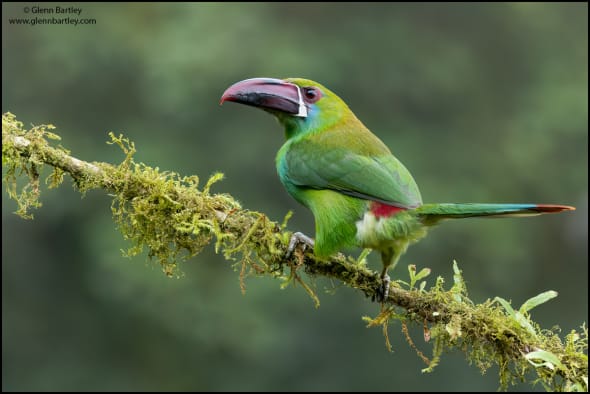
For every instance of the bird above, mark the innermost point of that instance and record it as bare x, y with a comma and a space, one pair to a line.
359, 193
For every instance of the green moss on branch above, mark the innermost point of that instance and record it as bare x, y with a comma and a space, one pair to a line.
174, 219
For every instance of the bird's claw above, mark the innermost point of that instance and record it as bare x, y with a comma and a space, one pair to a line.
296, 239
383, 292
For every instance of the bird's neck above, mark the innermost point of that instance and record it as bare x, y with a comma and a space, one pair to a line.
299, 127
293, 128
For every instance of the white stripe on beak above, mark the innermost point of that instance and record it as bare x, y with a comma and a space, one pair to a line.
302, 108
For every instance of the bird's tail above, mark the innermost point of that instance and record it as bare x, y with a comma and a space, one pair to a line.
432, 213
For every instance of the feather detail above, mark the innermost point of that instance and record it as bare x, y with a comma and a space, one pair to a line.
381, 210
432, 213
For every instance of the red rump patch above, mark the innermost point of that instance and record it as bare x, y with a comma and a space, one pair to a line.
381, 210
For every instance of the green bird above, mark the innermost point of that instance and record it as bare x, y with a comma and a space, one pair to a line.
359, 193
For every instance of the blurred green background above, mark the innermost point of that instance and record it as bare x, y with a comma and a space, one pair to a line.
482, 102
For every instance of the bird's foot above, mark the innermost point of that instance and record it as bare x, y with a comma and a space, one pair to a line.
383, 291
298, 239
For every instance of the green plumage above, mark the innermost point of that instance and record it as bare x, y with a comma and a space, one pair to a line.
359, 193
340, 159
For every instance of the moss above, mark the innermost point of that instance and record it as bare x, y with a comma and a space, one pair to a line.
492, 333
172, 218
19, 166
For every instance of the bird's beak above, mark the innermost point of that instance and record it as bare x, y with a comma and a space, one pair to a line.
269, 94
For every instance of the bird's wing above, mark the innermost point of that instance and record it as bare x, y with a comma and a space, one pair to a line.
379, 177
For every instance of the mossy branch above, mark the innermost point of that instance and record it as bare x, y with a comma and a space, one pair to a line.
170, 216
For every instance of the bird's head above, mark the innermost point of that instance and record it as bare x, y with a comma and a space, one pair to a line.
299, 104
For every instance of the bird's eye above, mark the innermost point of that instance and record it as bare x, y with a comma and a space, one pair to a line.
311, 94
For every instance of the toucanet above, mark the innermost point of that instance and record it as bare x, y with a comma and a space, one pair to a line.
359, 193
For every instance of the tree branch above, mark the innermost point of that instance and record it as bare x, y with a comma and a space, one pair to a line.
174, 219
